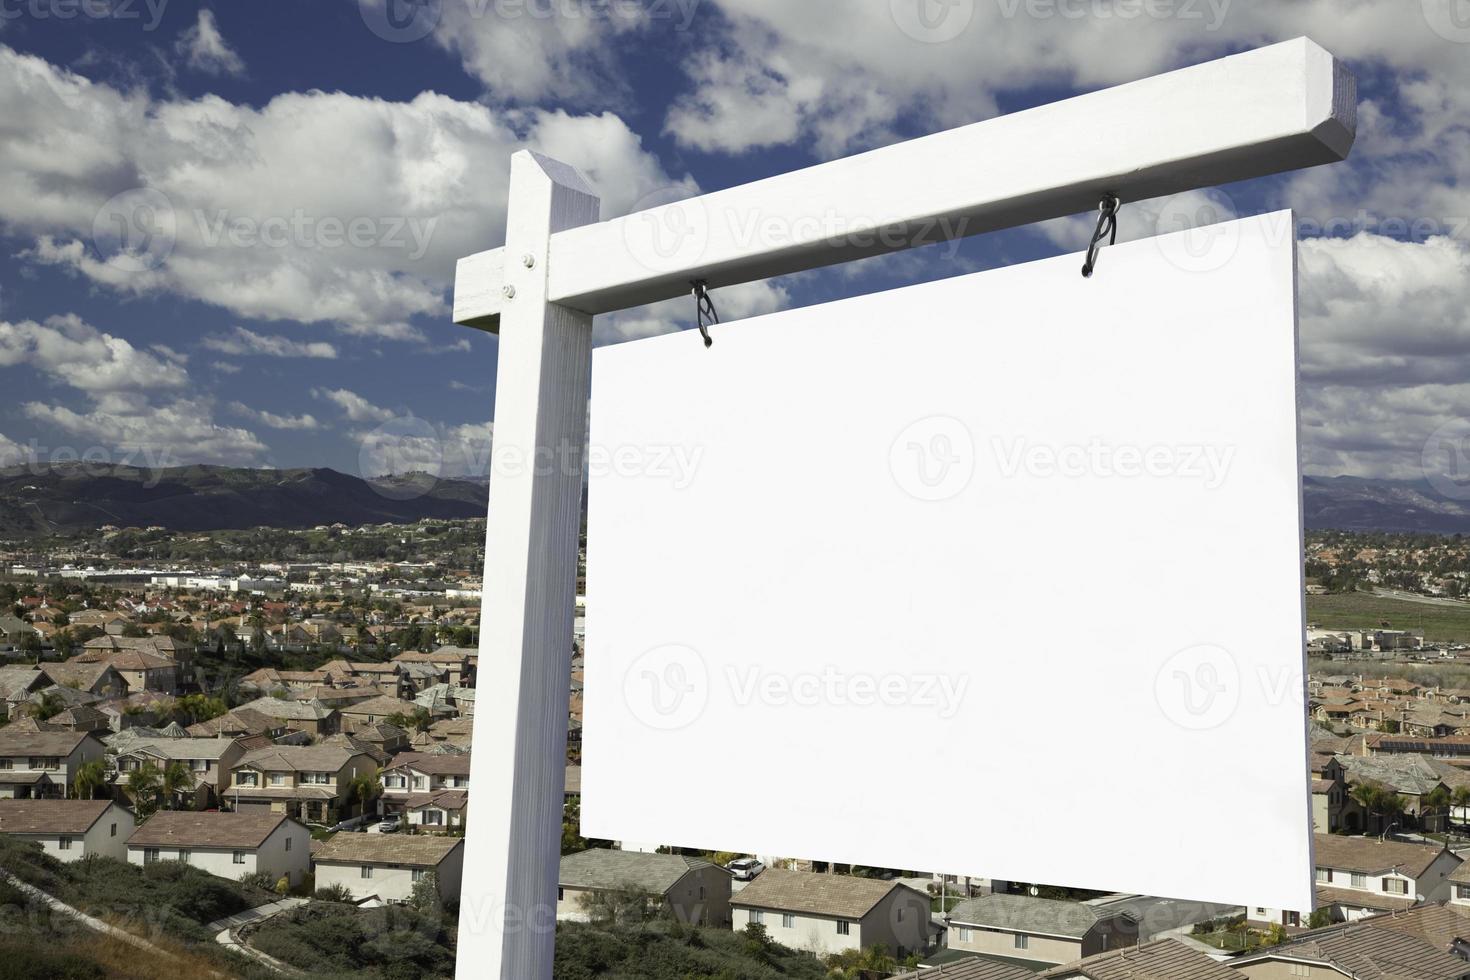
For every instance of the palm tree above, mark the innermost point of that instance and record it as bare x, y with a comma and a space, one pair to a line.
1461, 798
1436, 802
90, 777
364, 788
143, 785
176, 777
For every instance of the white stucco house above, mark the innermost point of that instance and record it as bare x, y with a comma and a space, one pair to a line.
830, 913
387, 866
69, 830
230, 845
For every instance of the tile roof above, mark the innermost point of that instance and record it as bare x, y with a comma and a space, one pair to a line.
17, 681
289, 710
50, 816
841, 896
972, 968
174, 828
1364, 952
604, 868
309, 758
1440, 925
404, 850
1369, 855
61, 744
433, 763
183, 748
1044, 916
1358, 898
1164, 958
80, 675
444, 799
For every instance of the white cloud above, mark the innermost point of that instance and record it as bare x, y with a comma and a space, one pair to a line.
353, 405
84, 357
137, 399
315, 207
274, 421
530, 50
840, 76
242, 342
409, 444
166, 434
204, 49
11, 452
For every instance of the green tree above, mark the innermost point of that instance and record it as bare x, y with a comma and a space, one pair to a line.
1319, 919
91, 776
176, 778
143, 786
1436, 804
1461, 799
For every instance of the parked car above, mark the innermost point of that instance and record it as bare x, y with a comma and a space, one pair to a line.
745, 869
391, 825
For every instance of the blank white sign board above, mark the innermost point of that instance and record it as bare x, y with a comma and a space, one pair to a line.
999, 575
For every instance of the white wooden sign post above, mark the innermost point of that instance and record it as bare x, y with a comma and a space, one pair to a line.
1279, 108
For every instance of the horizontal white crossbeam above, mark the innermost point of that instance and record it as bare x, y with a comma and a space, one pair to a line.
1278, 108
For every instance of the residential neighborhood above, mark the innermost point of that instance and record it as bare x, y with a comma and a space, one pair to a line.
317, 743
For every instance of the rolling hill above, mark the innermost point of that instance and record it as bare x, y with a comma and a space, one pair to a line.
75, 497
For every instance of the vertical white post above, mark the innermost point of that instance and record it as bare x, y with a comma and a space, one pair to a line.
513, 841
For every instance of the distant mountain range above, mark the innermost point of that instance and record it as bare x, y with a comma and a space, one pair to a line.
75, 497
1350, 503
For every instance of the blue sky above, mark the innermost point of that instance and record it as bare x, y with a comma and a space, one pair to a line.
250, 137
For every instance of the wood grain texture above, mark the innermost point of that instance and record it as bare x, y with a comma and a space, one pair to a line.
513, 841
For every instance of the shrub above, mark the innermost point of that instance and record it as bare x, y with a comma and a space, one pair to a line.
335, 892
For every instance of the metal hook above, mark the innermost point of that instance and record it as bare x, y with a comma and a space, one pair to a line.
704, 310
1107, 226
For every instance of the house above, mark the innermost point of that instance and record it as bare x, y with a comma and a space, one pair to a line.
438, 813
1363, 876
166, 647
209, 761
1162, 958
414, 775
69, 830
1359, 952
388, 866
454, 663
826, 913
140, 670
367, 712
43, 764
308, 782
229, 845
310, 717
694, 891
16, 684
13, 633
236, 723
1040, 930
100, 679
